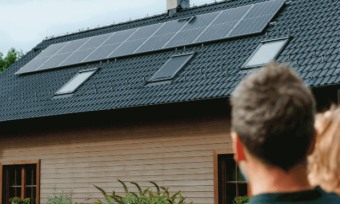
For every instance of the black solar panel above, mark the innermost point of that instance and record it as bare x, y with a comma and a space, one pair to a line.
95, 41
224, 24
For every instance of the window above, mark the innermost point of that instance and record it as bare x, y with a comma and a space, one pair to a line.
21, 179
76, 82
266, 52
171, 67
229, 181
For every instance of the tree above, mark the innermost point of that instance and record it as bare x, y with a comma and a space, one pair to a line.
12, 56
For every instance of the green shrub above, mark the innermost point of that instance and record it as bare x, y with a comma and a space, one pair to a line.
18, 200
241, 199
63, 198
145, 196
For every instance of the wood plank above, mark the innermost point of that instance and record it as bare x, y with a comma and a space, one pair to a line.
88, 187
104, 178
208, 182
38, 175
19, 162
99, 195
23, 182
130, 162
171, 150
188, 165
118, 146
215, 159
83, 135
131, 158
101, 151
138, 172
187, 200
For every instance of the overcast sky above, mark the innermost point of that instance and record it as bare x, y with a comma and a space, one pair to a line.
25, 23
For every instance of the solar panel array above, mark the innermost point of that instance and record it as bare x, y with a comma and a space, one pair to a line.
224, 24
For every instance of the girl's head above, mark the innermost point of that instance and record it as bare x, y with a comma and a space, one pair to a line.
324, 163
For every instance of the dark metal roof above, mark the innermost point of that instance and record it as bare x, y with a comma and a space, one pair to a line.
212, 73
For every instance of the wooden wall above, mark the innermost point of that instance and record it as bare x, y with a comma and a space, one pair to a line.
175, 153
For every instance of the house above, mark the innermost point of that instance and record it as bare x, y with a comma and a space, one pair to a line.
148, 99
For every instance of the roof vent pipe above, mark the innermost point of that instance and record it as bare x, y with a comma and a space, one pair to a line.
176, 5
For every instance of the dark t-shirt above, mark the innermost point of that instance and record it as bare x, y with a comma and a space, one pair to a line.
316, 196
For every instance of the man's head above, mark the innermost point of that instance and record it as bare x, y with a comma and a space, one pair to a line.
273, 116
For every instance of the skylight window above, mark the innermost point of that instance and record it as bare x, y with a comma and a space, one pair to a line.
266, 52
171, 67
76, 82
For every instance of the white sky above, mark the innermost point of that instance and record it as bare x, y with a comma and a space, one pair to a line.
25, 23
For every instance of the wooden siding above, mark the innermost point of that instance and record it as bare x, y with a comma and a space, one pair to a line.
175, 153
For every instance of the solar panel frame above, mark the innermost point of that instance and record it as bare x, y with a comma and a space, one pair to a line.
286, 39
163, 37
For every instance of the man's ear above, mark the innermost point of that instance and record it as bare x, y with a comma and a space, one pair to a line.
312, 148
238, 148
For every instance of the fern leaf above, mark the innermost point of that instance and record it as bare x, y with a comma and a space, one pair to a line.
150, 195
117, 199
170, 201
157, 187
99, 202
135, 195
103, 192
139, 189
181, 201
162, 187
125, 188
143, 193
166, 192
173, 197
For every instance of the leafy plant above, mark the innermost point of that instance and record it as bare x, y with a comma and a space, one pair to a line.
18, 200
63, 198
241, 199
145, 196
12, 56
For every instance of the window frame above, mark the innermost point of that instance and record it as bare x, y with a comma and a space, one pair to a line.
152, 79
216, 153
286, 39
75, 90
12, 163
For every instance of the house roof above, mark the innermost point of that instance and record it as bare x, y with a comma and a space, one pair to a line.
214, 71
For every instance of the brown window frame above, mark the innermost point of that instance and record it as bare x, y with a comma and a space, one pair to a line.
215, 159
11, 163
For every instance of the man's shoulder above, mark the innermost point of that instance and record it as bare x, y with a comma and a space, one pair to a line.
315, 196
328, 197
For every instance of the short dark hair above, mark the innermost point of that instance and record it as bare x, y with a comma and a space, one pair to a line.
273, 114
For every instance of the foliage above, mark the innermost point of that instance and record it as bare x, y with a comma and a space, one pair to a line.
12, 56
145, 196
241, 199
19, 200
63, 198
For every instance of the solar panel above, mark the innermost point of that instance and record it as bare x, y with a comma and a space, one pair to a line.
171, 67
245, 20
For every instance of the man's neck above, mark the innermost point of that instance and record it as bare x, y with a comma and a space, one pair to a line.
274, 180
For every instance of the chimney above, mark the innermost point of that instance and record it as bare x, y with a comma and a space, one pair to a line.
176, 5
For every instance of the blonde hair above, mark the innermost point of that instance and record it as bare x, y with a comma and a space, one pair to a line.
324, 163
